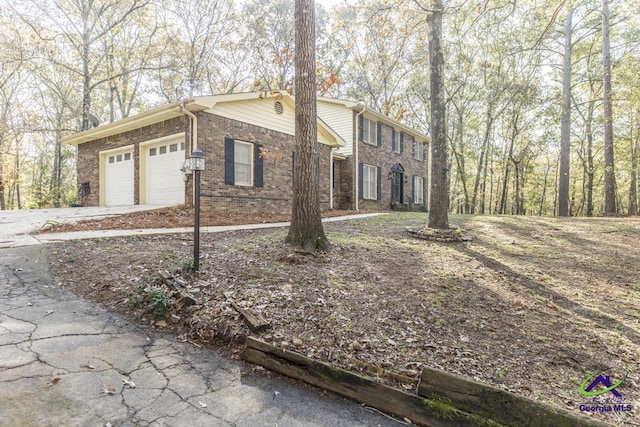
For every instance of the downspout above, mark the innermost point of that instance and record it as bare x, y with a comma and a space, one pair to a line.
357, 168
194, 135
331, 180
194, 124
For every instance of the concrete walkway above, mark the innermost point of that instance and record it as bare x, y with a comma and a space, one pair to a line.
64, 362
37, 239
16, 224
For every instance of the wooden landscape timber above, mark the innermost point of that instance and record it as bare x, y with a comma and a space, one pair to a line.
499, 405
353, 386
178, 288
254, 321
443, 399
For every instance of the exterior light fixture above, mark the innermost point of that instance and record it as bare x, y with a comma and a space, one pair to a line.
197, 163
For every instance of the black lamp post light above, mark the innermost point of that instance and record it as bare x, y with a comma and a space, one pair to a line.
197, 163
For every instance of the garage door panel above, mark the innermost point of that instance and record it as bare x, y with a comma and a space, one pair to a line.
165, 180
119, 178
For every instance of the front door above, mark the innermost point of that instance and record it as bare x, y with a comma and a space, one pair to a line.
397, 180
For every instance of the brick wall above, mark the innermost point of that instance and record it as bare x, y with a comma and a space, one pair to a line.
88, 163
275, 196
343, 190
383, 156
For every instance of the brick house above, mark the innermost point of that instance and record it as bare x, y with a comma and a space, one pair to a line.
383, 165
248, 140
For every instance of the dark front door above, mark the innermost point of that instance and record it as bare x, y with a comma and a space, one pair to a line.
397, 180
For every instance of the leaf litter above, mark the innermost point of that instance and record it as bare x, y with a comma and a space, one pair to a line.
534, 318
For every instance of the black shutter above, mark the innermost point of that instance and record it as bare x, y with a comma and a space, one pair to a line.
379, 182
401, 142
413, 187
425, 147
413, 149
379, 134
424, 191
393, 139
361, 127
258, 179
229, 169
360, 180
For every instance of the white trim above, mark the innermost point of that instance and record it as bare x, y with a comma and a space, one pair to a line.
417, 193
367, 132
252, 148
421, 147
366, 173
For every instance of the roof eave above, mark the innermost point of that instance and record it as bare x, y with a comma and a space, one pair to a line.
146, 118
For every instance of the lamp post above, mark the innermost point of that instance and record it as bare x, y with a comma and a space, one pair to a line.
197, 163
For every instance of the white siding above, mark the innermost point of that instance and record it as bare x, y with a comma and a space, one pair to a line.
258, 112
262, 113
340, 119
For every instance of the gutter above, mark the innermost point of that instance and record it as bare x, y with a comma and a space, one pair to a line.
357, 168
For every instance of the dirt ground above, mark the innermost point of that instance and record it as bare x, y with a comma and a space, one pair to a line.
531, 305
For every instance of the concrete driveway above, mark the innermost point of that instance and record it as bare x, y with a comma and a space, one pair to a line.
65, 362
16, 224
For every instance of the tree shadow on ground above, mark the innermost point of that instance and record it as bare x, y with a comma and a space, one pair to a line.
602, 319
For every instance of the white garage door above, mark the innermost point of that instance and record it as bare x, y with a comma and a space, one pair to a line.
165, 182
119, 178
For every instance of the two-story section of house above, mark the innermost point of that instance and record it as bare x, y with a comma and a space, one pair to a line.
383, 165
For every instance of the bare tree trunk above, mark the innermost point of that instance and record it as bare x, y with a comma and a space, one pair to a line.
507, 168
633, 184
544, 189
484, 181
56, 175
505, 189
481, 160
439, 199
16, 177
306, 223
565, 126
555, 186
609, 171
458, 153
590, 166
516, 172
2, 204
86, 76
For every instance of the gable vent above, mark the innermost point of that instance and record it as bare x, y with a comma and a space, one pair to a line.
278, 107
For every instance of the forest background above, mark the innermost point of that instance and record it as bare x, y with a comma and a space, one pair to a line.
67, 64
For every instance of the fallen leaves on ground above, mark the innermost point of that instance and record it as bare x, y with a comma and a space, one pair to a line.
526, 306
108, 389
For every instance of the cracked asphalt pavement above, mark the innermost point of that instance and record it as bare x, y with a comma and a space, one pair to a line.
65, 362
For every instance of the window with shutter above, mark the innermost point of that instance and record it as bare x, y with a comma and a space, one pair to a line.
369, 182
243, 163
368, 131
418, 190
